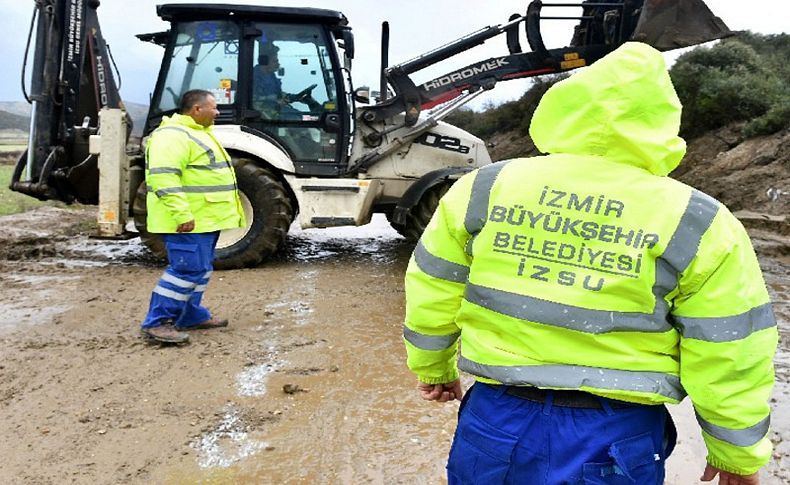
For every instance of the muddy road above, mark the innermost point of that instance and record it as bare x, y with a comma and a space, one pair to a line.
307, 384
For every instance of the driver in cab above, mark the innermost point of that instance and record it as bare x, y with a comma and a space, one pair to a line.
267, 92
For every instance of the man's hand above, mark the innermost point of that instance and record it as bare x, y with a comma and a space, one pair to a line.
186, 227
727, 478
441, 392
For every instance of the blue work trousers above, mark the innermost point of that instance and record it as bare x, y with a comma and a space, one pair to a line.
177, 296
504, 439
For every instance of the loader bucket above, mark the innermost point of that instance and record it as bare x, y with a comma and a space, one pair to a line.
671, 24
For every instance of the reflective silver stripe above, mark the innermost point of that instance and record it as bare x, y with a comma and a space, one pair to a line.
682, 248
477, 210
177, 281
666, 281
438, 267
575, 377
158, 170
470, 244
208, 274
738, 437
172, 294
727, 329
211, 166
684, 243
211, 157
429, 342
193, 189
695, 221
200, 288
566, 316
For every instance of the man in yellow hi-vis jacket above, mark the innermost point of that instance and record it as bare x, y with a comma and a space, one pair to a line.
192, 196
585, 289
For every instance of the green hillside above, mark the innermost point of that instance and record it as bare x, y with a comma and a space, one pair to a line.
10, 121
15, 115
742, 79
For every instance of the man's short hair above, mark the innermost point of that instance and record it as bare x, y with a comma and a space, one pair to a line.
191, 98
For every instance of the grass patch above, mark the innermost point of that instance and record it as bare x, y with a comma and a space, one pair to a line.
9, 158
14, 202
13, 147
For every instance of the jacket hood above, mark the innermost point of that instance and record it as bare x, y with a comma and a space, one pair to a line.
623, 107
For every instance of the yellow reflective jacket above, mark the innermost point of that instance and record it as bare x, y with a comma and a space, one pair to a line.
590, 269
189, 176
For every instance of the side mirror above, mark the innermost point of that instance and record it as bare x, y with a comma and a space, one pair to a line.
348, 43
362, 95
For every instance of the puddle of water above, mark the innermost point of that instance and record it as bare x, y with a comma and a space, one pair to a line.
282, 304
23, 309
376, 240
15, 315
251, 382
228, 443
308, 275
108, 250
298, 310
302, 312
378, 227
37, 279
75, 263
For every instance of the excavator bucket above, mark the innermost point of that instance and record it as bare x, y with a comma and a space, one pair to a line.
671, 24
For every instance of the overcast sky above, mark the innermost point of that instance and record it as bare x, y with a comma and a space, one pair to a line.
416, 26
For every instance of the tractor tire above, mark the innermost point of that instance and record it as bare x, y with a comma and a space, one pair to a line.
420, 215
269, 212
267, 208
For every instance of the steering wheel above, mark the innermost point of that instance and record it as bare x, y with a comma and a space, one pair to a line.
303, 95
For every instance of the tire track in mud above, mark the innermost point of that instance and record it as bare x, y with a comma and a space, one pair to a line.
292, 329
235, 437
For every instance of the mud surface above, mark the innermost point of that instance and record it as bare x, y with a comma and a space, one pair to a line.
307, 384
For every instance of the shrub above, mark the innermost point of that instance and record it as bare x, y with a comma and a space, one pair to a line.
741, 79
731, 81
776, 119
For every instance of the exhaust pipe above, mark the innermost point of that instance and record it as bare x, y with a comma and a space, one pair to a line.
672, 24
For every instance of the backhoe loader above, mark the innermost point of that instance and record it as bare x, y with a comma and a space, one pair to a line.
325, 155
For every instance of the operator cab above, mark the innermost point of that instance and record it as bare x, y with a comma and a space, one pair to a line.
280, 73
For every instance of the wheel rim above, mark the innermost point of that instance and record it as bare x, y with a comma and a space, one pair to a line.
229, 237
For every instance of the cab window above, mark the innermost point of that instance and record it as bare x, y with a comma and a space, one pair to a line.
205, 56
292, 73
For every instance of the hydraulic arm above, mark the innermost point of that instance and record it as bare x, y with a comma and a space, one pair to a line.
71, 82
602, 27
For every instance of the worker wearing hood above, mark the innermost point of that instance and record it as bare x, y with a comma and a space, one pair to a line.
584, 289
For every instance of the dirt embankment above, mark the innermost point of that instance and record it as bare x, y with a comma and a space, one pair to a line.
745, 174
751, 175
